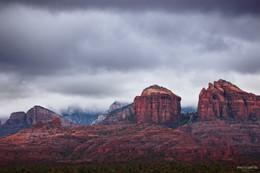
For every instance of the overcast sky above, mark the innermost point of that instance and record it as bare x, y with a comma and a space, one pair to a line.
89, 53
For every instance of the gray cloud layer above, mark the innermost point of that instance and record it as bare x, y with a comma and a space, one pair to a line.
101, 51
228, 7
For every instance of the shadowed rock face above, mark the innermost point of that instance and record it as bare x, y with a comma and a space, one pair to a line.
21, 120
117, 111
225, 100
158, 105
16, 122
119, 114
38, 113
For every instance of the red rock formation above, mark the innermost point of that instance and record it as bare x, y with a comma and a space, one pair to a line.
108, 143
38, 113
56, 122
21, 120
225, 100
157, 104
16, 122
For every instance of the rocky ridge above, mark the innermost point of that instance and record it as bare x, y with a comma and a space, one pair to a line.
21, 120
114, 106
193, 138
51, 142
225, 100
119, 114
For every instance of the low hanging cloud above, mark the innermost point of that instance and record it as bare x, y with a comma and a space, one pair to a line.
36, 42
78, 51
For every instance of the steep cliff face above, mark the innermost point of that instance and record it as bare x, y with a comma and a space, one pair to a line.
115, 105
118, 114
114, 113
225, 100
16, 122
38, 113
21, 120
158, 105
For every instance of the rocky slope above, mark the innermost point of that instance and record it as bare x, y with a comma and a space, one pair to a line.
244, 136
114, 106
21, 120
141, 132
52, 143
119, 114
16, 122
225, 100
158, 105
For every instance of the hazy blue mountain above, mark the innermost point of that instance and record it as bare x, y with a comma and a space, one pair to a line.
79, 116
188, 109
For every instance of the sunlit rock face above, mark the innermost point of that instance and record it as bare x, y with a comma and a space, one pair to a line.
224, 100
157, 105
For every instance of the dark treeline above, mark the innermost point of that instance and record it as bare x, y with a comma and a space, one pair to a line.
172, 167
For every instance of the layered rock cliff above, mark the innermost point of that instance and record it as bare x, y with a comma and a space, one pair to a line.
158, 105
38, 113
21, 120
16, 122
224, 100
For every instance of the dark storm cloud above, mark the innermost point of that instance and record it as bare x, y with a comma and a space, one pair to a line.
229, 7
36, 42
59, 52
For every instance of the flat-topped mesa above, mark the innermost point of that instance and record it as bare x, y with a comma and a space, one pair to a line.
157, 105
224, 100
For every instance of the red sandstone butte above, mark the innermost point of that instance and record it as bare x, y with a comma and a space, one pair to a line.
224, 100
157, 105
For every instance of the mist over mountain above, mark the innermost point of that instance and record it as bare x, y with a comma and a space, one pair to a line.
224, 130
81, 116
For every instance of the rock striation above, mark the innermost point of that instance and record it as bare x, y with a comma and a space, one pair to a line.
38, 113
118, 114
224, 100
157, 105
16, 122
21, 120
